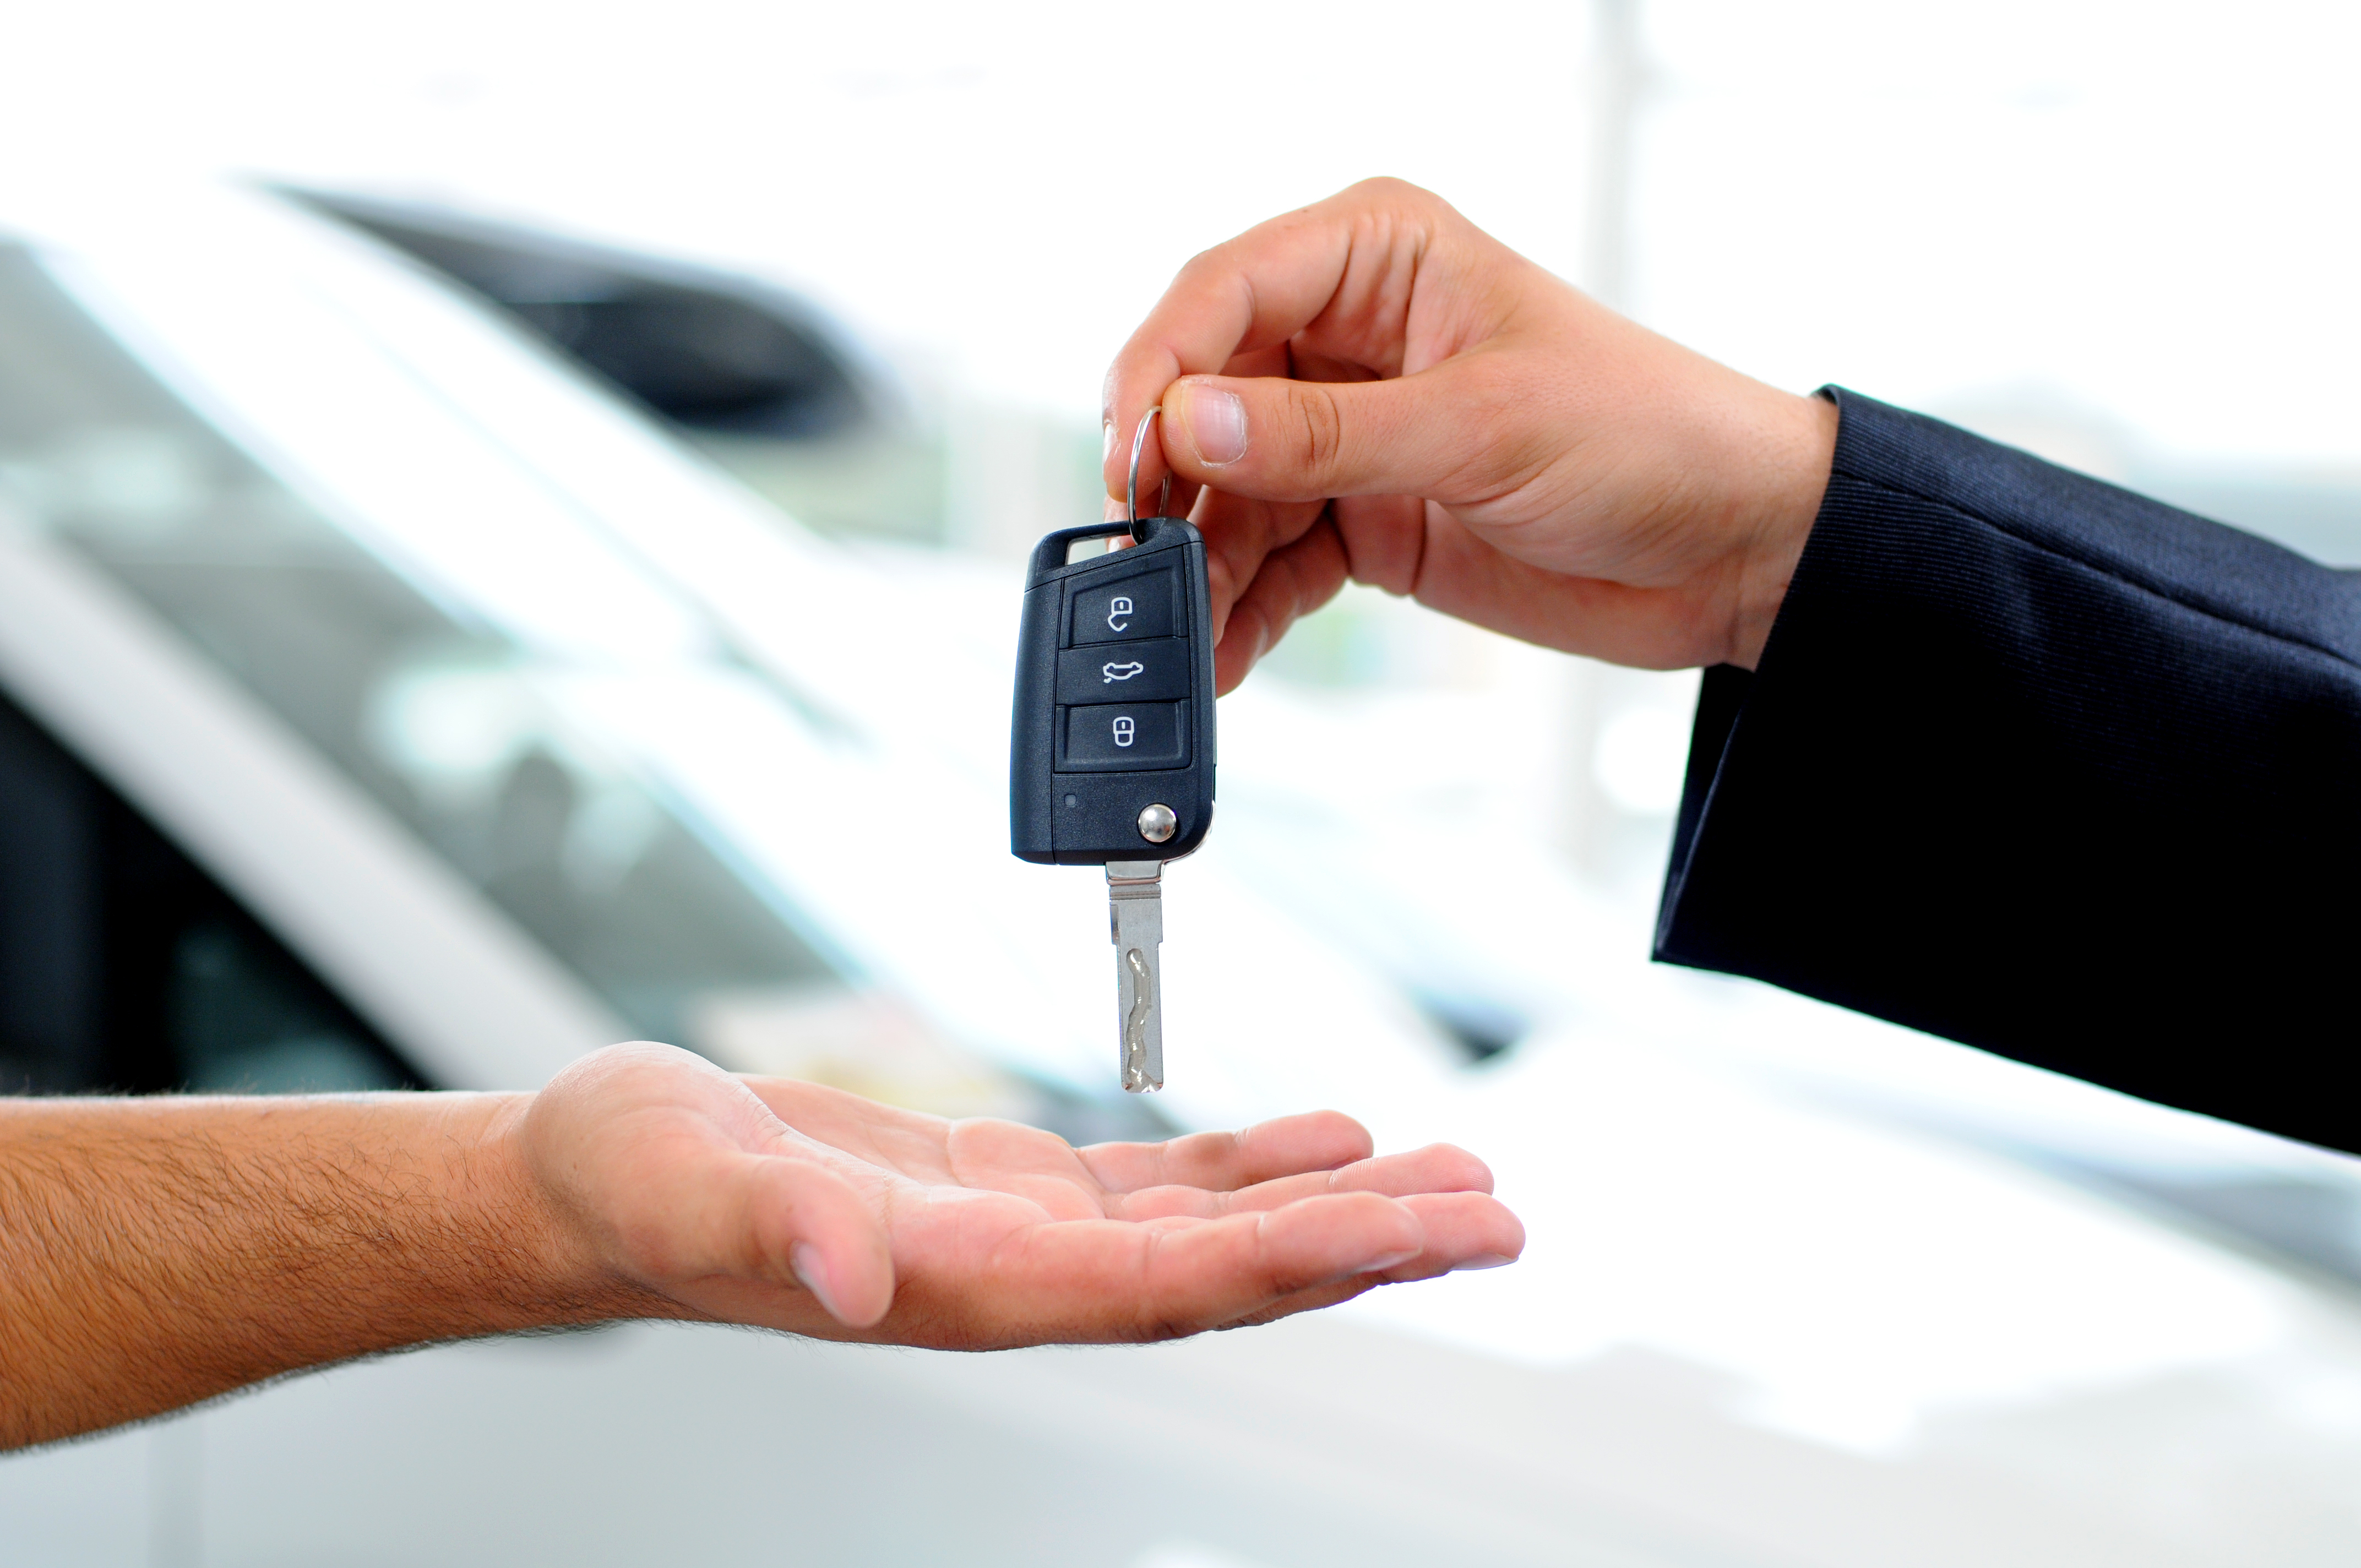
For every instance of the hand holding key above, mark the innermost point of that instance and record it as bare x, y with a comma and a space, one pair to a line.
1372, 387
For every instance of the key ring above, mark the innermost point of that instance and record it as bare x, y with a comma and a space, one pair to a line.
1131, 485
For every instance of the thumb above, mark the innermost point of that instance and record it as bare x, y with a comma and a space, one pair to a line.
812, 1219
769, 1219
1274, 439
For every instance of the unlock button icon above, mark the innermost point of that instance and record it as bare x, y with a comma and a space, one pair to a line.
1134, 608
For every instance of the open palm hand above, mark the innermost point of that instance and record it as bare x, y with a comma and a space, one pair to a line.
793, 1206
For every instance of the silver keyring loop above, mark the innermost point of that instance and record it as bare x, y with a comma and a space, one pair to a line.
1131, 484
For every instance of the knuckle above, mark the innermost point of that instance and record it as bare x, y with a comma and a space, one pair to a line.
1158, 1329
1389, 194
1205, 262
1320, 428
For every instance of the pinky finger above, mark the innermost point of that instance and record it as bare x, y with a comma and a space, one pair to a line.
1290, 583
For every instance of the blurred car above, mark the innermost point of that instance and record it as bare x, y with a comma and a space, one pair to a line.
704, 349
387, 703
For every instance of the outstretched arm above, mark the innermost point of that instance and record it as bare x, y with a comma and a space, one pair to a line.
154, 1253
1990, 749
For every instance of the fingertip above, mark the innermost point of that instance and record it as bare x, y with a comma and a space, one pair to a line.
1351, 1140
1469, 1224
1458, 1170
1482, 1261
1211, 418
833, 1244
1515, 1248
1347, 1233
855, 1291
811, 1272
1318, 1140
1234, 657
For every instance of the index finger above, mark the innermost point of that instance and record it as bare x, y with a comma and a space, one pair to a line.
1249, 293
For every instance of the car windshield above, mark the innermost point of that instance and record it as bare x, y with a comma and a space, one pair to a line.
470, 731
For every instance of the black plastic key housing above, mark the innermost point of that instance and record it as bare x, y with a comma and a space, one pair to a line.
1114, 697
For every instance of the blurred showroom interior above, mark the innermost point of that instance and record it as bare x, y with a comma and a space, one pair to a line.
765, 340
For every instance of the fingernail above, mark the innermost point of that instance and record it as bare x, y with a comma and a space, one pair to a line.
1390, 1260
1113, 510
805, 1259
1106, 439
1217, 424
1482, 1260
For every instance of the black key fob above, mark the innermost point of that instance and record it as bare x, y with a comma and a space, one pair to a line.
1111, 752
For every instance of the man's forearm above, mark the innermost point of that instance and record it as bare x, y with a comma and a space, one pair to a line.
158, 1251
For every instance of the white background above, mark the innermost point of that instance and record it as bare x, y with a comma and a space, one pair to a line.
2143, 210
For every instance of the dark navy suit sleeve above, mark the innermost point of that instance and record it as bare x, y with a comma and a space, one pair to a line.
2046, 767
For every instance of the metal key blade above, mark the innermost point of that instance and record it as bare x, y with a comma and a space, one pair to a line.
1135, 915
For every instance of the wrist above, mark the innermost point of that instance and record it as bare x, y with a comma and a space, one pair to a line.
550, 1271
1780, 490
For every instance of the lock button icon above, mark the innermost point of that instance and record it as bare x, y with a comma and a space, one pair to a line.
1129, 737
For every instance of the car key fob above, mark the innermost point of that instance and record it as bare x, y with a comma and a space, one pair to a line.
1115, 699
1111, 752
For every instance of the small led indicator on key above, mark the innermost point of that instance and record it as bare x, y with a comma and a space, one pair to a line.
1124, 730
